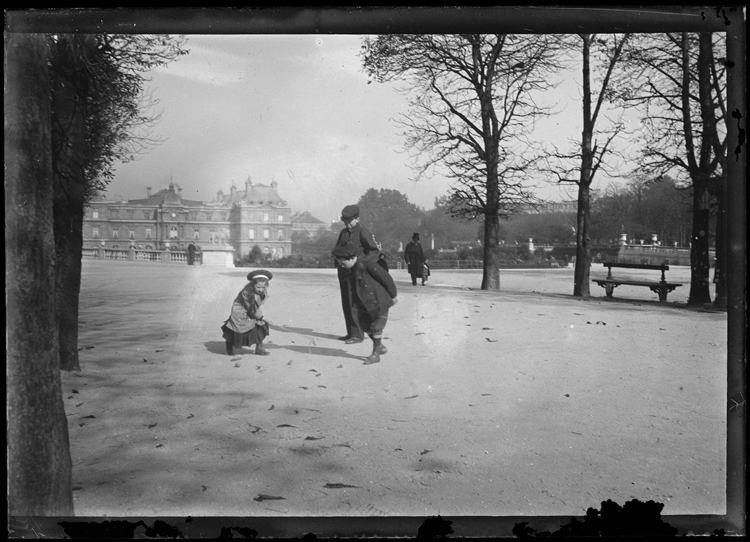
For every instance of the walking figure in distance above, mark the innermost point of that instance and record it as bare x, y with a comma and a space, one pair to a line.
373, 293
246, 325
414, 258
366, 247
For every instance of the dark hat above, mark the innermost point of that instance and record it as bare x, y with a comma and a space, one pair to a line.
415, 235
344, 251
259, 274
350, 212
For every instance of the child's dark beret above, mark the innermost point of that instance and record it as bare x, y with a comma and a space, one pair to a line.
350, 212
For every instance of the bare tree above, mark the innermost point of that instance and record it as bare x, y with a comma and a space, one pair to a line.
591, 157
39, 464
472, 107
679, 84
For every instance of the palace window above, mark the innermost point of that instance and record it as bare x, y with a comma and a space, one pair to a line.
132, 234
173, 232
95, 233
281, 235
251, 233
196, 234
281, 218
114, 213
148, 233
95, 213
115, 233
146, 215
131, 214
266, 233
265, 217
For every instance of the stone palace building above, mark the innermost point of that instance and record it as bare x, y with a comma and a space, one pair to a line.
163, 220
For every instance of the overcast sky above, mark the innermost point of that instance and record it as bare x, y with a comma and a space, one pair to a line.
295, 109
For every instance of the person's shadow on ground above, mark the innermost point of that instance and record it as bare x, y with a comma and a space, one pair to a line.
315, 350
302, 331
219, 347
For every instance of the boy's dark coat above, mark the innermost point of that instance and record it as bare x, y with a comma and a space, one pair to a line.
374, 287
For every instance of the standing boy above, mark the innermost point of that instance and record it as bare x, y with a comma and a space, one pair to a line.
373, 293
364, 243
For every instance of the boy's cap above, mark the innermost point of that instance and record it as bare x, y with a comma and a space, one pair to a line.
350, 212
259, 274
344, 251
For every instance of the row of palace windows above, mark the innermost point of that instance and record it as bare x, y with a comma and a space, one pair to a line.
193, 215
266, 234
196, 233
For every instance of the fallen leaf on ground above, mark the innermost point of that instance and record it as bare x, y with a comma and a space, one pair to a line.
340, 367
303, 387
204, 488
160, 446
338, 486
272, 407
490, 340
151, 425
285, 425
314, 438
84, 417
191, 416
412, 397
423, 452
262, 497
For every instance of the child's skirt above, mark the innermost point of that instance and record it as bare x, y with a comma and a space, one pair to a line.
255, 336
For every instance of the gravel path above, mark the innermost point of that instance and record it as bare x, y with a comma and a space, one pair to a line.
525, 401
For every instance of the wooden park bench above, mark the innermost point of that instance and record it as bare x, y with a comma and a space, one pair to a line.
662, 287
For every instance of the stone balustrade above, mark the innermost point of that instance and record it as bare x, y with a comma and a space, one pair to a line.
222, 258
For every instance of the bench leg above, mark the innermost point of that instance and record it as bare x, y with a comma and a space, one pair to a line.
661, 291
609, 289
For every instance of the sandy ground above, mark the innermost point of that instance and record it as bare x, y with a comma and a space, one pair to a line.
525, 401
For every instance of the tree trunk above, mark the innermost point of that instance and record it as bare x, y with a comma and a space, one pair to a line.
701, 171
491, 272
720, 266
39, 464
699, 268
69, 140
582, 273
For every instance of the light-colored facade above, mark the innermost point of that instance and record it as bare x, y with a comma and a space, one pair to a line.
165, 220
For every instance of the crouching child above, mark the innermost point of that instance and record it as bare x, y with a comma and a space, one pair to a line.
374, 293
246, 325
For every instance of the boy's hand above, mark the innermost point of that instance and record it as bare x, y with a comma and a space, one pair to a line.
395, 300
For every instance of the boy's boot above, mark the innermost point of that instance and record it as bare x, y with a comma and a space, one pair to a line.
378, 347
